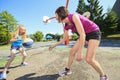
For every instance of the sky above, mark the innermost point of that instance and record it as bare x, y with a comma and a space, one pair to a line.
30, 13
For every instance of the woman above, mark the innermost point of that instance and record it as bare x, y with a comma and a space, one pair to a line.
88, 31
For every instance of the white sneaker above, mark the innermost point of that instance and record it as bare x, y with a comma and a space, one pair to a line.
65, 71
103, 77
24, 64
3, 75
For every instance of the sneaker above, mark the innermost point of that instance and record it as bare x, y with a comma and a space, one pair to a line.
65, 71
3, 75
103, 78
24, 64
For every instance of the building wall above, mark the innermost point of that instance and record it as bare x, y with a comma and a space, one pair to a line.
116, 7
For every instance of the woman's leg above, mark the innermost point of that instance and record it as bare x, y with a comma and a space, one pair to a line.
12, 56
72, 54
67, 70
90, 56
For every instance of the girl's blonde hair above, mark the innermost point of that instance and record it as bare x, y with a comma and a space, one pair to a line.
16, 32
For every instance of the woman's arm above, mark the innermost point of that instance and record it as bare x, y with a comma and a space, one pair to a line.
80, 30
61, 41
67, 1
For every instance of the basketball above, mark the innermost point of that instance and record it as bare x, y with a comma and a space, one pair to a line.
28, 42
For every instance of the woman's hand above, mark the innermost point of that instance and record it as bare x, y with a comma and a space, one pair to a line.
51, 47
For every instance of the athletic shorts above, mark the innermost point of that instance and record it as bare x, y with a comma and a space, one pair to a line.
16, 47
93, 35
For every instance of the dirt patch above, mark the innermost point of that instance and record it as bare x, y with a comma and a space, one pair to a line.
44, 65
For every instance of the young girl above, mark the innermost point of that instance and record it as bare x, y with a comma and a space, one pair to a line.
16, 44
88, 31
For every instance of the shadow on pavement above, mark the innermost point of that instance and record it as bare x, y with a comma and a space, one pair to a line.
11, 67
44, 77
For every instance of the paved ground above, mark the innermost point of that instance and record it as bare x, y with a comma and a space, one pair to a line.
44, 65
104, 43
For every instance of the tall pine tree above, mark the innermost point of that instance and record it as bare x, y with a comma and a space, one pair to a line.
93, 7
110, 23
107, 21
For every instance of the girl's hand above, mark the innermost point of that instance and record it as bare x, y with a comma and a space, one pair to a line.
51, 47
13, 39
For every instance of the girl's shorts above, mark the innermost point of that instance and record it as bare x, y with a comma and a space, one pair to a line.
16, 47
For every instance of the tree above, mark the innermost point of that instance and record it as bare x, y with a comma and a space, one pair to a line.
74, 36
7, 24
8, 20
93, 7
57, 37
107, 21
119, 24
4, 35
110, 23
38, 36
81, 7
31, 36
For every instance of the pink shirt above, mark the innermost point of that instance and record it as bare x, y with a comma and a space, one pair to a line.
88, 25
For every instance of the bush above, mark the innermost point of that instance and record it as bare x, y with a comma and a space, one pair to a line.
38, 36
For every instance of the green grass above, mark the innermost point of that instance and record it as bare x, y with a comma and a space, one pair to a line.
5, 47
4, 61
114, 36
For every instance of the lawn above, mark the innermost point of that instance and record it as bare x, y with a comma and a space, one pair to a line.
4, 60
5, 47
114, 36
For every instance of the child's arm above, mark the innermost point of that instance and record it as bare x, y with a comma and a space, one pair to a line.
13, 38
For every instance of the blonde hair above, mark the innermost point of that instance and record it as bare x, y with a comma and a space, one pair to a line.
16, 32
